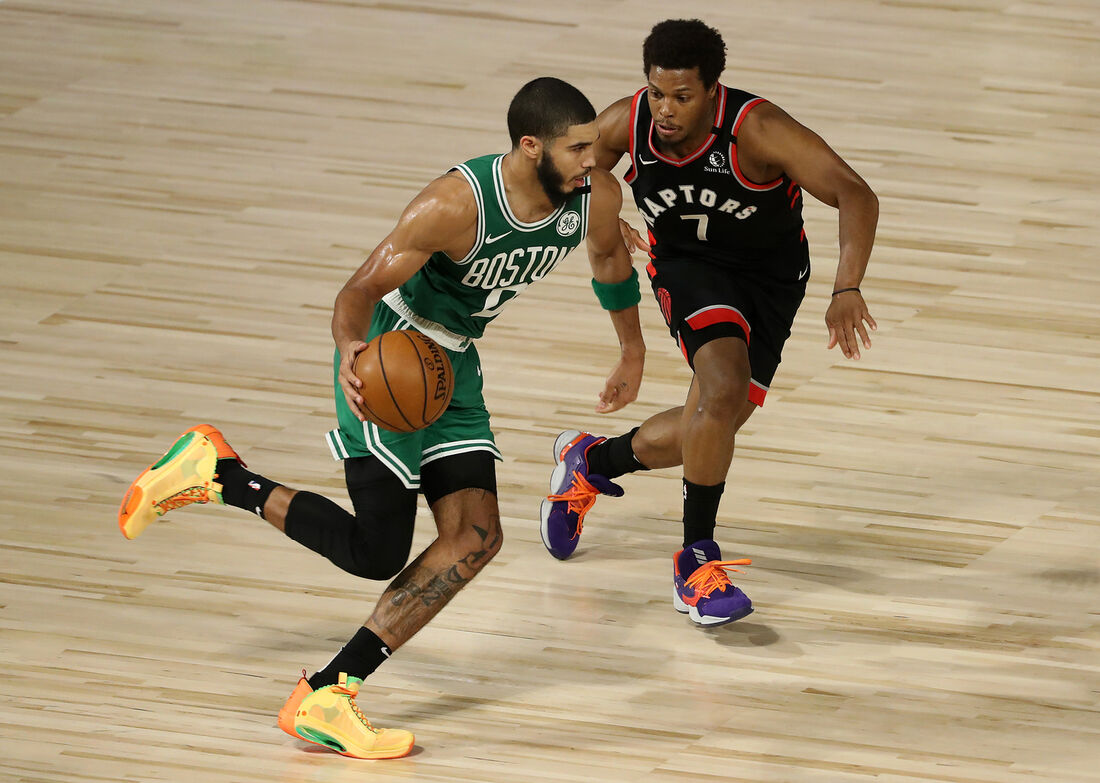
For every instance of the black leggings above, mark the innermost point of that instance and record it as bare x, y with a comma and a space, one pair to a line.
375, 542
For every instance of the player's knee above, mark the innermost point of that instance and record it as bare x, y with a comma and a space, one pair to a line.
724, 387
378, 552
479, 542
378, 563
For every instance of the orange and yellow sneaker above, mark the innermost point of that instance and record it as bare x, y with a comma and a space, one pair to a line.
184, 475
290, 709
329, 716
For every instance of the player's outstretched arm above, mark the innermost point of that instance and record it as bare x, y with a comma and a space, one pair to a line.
442, 217
616, 284
770, 134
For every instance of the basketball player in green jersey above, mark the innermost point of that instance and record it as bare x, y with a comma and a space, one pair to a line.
468, 244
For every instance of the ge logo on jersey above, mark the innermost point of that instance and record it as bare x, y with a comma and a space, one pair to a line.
569, 223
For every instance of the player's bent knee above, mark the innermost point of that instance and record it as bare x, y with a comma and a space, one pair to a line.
478, 542
725, 394
377, 566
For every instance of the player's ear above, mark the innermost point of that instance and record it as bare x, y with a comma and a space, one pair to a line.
531, 147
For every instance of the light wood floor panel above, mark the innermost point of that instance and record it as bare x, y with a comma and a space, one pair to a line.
185, 186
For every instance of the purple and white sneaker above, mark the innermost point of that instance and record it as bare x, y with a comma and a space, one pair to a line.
573, 491
701, 589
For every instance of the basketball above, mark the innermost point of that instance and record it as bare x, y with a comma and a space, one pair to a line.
407, 380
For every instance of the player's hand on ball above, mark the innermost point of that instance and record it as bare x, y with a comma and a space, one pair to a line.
845, 318
621, 387
631, 238
349, 382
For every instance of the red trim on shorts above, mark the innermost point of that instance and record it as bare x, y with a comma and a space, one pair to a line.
683, 348
757, 393
718, 314
651, 270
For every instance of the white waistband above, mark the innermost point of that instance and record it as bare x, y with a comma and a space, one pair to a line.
441, 334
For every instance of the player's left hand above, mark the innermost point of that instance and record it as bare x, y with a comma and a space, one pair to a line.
621, 387
845, 318
632, 239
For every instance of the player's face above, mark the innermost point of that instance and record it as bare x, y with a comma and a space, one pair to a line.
681, 106
566, 161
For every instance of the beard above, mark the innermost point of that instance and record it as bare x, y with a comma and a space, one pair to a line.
552, 182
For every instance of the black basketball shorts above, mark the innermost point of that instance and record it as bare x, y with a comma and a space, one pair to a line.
703, 301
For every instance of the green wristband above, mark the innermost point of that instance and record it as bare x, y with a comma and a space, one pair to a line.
618, 296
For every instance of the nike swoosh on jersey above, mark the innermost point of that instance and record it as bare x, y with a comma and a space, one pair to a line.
490, 239
645, 162
802, 274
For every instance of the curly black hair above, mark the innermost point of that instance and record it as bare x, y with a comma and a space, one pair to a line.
678, 44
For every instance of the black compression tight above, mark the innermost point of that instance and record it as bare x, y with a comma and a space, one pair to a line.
374, 543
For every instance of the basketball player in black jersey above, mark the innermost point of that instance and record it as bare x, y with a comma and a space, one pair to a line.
717, 176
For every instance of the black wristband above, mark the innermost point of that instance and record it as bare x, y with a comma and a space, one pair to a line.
845, 290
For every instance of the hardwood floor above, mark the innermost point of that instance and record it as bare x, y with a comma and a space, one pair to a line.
185, 186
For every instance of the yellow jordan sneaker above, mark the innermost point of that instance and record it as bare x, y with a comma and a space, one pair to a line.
183, 476
329, 716
290, 709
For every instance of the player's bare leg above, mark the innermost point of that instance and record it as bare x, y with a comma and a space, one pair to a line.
468, 522
658, 443
470, 535
701, 587
721, 384
276, 507
586, 462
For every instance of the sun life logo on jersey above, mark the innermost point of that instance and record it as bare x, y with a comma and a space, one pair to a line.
716, 163
569, 223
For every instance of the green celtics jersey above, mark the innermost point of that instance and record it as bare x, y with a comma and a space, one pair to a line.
459, 297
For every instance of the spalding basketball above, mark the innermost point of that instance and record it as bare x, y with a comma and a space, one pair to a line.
407, 380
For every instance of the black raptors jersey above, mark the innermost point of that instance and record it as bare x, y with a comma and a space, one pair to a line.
702, 206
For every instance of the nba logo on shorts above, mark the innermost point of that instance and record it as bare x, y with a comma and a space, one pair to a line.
569, 223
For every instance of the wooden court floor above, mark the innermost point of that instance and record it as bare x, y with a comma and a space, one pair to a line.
185, 185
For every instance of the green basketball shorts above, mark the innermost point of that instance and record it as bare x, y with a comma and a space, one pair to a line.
462, 428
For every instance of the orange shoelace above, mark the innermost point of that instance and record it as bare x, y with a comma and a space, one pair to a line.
351, 691
581, 496
185, 498
711, 576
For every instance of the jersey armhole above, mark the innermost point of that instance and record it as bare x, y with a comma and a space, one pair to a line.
743, 112
479, 199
